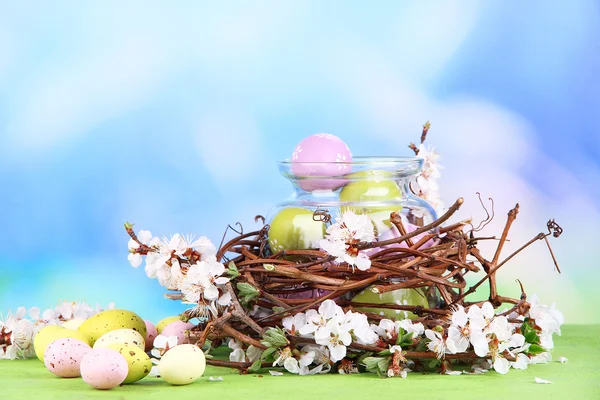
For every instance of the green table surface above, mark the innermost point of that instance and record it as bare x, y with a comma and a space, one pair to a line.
579, 378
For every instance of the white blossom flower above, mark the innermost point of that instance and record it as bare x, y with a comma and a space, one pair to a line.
336, 337
162, 344
135, 258
437, 343
202, 245
521, 362
239, 355
459, 332
321, 358
481, 317
202, 281
16, 336
387, 329
549, 319
342, 238
426, 184
293, 324
358, 324
316, 320
416, 329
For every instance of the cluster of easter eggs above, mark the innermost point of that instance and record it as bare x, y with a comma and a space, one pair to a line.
323, 162
110, 349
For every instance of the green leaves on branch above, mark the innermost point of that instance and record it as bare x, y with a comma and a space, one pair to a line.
232, 270
255, 366
379, 365
532, 337
246, 292
274, 337
404, 339
529, 332
536, 349
269, 355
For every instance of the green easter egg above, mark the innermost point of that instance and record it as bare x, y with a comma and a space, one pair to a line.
413, 297
295, 229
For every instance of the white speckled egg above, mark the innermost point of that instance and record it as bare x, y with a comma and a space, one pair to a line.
182, 364
178, 329
104, 368
63, 357
121, 336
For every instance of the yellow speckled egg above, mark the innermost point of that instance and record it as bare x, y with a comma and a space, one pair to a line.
120, 336
182, 364
49, 334
138, 362
73, 324
166, 321
110, 320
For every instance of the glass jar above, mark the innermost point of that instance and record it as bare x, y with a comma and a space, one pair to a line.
375, 186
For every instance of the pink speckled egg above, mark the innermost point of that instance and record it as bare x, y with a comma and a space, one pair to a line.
178, 329
321, 155
151, 334
104, 368
63, 357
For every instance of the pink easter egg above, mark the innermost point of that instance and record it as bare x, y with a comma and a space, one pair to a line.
178, 328
320, 156
63, 357
393, 233
151, 334
104, 368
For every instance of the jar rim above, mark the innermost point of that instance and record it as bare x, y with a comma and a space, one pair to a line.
359, 160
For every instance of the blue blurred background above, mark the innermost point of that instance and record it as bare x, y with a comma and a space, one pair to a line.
173, 116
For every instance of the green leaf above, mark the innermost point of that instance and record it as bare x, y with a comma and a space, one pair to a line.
384, 365
385, 352
232, 270
405, 340
536, 349
434, 364
529, 332
274, 337
278, 309
255, 366
246, 292
269, 354
372, 363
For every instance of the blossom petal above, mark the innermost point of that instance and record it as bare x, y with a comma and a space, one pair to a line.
132, 244
211, 292
501, 365
237, 355
291, 365
337, 352
225, 300
144, 236
362, 262
135, 259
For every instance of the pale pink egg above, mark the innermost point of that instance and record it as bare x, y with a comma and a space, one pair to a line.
178, 329
151, 334
320, 156
104, 368
63, 357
